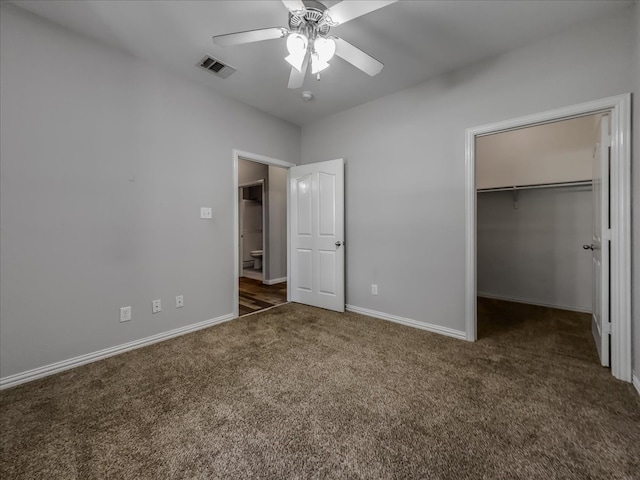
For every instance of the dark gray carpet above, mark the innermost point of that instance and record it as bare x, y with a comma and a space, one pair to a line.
301, 393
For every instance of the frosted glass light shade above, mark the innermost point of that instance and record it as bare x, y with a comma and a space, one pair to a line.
317, 64
295, 61
325, 48
297, 46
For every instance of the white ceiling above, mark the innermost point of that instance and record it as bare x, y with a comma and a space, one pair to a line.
416, 40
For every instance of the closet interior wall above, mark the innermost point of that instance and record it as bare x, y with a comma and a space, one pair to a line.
535, 212
530, 246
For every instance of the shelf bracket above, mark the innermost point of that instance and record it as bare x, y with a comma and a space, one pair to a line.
516, 196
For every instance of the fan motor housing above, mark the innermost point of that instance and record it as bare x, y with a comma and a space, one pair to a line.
311, 17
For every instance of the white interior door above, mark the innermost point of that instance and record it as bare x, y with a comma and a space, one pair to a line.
601, 326
317, 234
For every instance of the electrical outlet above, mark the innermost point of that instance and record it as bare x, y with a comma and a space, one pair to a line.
180, 301
374, 289
206, 213
125, 314
156, 306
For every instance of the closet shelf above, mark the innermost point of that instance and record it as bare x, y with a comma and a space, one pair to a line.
539, 185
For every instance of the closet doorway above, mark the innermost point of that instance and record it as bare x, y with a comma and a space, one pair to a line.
260, 206
548, 249
535, 211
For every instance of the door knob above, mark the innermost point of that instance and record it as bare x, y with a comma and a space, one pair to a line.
338, 243
588, 247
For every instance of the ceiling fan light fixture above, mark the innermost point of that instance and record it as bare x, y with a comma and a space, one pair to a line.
308, 39
325, 48
297, 44
317, 64
296, 61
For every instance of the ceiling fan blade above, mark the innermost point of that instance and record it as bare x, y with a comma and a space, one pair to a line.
357, 57
250, 36
348, 10
294, 5
296, 78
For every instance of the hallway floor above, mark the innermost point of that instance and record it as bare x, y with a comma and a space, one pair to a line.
252, 273
255, 296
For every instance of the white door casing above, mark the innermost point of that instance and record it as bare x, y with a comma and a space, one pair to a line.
254, 157
619, 109
317, 249
600, 325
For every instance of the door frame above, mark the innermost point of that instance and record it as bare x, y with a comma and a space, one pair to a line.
254, 157
620, 202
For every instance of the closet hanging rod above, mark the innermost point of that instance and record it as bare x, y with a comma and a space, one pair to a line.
540, 185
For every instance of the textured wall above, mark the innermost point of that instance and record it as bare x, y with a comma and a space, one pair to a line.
405, 161
277, 223
534, 253
549, 153
105, 164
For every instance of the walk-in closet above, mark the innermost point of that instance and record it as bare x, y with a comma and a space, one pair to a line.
536, 228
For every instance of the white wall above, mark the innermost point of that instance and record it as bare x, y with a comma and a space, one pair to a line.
277, 268
550, 153
105, 163
534, 253
405, 182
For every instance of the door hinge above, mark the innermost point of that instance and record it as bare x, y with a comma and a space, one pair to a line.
606, 234
607, 328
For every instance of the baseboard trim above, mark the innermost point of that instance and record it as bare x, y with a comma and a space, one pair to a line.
275, 280
533, 302
53, 368
636, 383
449, 332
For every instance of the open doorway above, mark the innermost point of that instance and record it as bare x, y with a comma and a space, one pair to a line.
253, 227
535, 214
261, 232
616, 221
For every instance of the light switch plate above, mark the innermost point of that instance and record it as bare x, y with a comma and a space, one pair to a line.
206, 213
125, 314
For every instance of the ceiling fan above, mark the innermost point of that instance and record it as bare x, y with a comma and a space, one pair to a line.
308, 39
